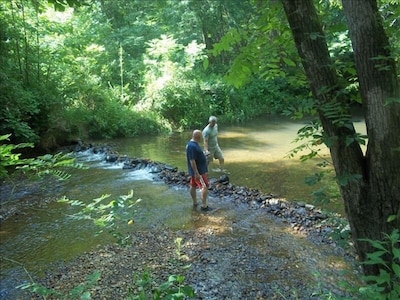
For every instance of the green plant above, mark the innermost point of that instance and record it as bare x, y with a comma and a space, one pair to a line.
81, 291
173, 288
12, 163
178, 247
311, 137
47, 164
385, 285
9, 159
50, 164
78, 292
340, 230
112, 215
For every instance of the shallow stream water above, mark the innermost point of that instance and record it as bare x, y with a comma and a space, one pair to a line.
255, 157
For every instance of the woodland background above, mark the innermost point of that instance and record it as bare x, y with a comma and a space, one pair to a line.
104, 69
75, 69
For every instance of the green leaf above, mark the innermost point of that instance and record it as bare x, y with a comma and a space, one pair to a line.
349, 140
383, 277
375, 244
396, 269
95, 276
392, 100
188, 291
289, 62
396, 253
172, 278
395, 236
86, 296
376, 256
165, 285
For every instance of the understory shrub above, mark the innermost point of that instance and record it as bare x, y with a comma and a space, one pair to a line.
188, 104
113, 120
183, 104
385, 285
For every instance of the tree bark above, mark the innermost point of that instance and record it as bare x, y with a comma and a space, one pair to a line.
370, 184
379, 85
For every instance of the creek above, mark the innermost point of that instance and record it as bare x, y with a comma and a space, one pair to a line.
256, 157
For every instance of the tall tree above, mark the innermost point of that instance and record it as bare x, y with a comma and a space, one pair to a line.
215, 19
370, 183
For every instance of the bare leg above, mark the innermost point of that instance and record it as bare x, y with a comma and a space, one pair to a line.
204, 194
192, 190
221, 163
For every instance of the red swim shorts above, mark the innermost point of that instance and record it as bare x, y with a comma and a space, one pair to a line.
199, 183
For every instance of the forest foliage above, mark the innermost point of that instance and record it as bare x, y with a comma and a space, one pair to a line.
104, 69
73, 69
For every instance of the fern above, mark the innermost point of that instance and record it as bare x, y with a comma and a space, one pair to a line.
54, 165
107, 214
7, 156
337, 112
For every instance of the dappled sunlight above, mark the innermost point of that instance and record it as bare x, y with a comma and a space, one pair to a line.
277, 177
59, 16
333, 261
217, 221
210, 224
256, 155
266, 141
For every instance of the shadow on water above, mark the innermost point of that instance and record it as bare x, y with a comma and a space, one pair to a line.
254, 153
256, 156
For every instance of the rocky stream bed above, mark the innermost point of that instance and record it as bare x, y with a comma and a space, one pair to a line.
222, 265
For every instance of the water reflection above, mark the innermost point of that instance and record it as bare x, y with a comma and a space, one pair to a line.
255, 155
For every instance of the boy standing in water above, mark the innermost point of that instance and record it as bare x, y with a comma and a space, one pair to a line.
197, 168
210, 136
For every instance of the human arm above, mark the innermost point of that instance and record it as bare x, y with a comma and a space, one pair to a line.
205, 134
206, 144
194, 167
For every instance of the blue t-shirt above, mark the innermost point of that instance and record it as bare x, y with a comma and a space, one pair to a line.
194, 151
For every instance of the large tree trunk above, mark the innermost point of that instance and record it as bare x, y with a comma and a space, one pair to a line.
369, 185
379, 88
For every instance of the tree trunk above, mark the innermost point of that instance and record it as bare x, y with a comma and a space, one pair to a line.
17, 45
379, 86
369, 185
213, 25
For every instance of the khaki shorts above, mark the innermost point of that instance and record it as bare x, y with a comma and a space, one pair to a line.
216, 153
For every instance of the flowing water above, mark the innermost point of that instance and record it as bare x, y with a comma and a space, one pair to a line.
255, 154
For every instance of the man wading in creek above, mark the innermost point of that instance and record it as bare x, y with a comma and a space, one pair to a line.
211, 146
197, 168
